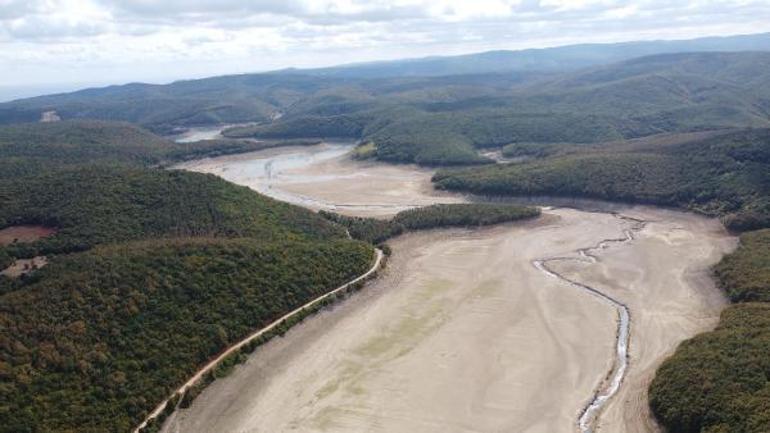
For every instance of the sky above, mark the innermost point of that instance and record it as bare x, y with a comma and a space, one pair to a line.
65, 44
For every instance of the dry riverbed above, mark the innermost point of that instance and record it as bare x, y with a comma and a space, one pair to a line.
323, 177
463, 333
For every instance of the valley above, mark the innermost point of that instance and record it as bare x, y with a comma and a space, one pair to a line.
574, 239
463, 329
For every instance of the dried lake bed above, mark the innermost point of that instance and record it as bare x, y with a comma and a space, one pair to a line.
462, 333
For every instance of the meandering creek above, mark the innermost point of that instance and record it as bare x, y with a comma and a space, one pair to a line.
553, 325
589, 416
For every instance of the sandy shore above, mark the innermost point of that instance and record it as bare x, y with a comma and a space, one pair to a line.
463, 334
324, 177
366, 188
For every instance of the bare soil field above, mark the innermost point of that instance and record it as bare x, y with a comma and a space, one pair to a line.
13, 234
24, 266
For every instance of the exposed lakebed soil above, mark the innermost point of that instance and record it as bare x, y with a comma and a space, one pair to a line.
464, 334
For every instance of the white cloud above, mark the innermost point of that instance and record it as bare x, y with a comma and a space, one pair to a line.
89, 40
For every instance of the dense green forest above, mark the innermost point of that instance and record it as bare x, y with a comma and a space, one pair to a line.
100, 337
745, 274
375, 231
87, 140
101, 204
446, 120
462, 215
719, 382
31, 148
151, 272
539, 150
722, 173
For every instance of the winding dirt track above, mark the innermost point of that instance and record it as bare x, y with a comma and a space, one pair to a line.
237, 346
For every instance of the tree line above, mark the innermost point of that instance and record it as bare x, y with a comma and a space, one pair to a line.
376, 231
719, 382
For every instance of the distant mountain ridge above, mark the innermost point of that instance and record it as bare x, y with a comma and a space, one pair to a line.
258, 97
441, 120
442, 125
568, 57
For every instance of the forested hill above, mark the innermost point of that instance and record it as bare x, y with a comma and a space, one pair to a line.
30, 148
447, 120
67, 143
97, 204
227, 99
150, 272
723, 173
100, 338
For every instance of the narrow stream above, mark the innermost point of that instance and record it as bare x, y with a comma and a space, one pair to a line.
589, 417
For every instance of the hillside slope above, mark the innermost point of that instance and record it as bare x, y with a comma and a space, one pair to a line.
97, 204
725, 174
227, 99
445, 120
150, 273
36, 147
29, 148
99, 338
78, 141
